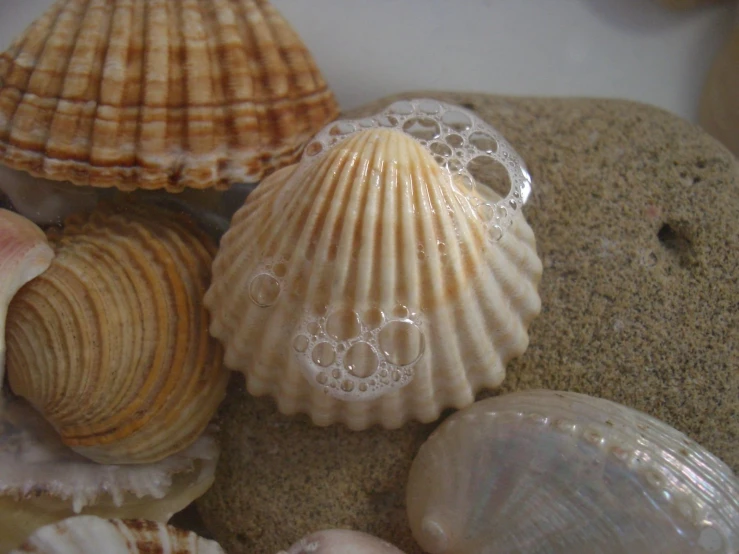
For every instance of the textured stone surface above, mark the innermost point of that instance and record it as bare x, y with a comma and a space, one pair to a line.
636, 214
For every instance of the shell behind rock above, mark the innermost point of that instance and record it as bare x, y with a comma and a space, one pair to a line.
159, 94
24, 255
42, 481
112, 345
93, 535
363, 287
341, 541
548, 472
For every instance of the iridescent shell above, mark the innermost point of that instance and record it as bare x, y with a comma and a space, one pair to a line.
24, 255
377, 281
111, 343
94, 535
547, 472
42, 481
341, 541
159, 94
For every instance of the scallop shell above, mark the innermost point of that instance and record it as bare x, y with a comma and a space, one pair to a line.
42, 481
341, 541
92, 535
719, 107
24, 255
159, 94
111, 343
370, 285
544, 471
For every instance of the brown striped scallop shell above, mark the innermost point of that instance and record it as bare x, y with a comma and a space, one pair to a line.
159, 94
111, 344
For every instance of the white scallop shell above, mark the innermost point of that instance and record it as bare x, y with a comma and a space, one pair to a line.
94, 535
341, 541
43, 481
369, 284
549, 472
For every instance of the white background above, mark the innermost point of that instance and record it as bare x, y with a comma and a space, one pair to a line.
610, 48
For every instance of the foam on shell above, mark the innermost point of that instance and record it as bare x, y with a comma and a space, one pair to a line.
374, 283
94, 535
159, 94
43, 481
550, 472
111, 343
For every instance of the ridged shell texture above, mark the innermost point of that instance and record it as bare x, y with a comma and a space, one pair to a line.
362, 285
112, 344
92, 535
545, 472
159, 94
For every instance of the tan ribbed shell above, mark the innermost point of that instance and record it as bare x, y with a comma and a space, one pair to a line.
159, 94
112, 344
373, 225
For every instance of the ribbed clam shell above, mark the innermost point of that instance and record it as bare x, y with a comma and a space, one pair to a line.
159, 94
719, 105
111, 345
549, 472
361, 287
24, 254
93, 535
42, 481
341, 541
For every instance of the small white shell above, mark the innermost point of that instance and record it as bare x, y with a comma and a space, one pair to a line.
549, 472
94, 535
341, 541
43, 481
376, 282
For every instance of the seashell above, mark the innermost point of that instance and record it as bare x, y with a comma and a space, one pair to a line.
719, 106
111, 343
543, 471
91, 535
42, 481
369, 284
159, 94
341, 541
24, 255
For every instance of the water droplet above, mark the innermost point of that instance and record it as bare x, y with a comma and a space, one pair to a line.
264, 290
313, 148
710, 540
440, 149
336, 373
423, 128
383, 373
456, 120
361, 360
280, 270
514, 205
429, 106
343, 324
300, 343
363, 387
401, 107
439, 160
496, 233
483, 142
322, 378
453, 165
314, 328
455, 141
485, 211
341, 128
367, 123
373, 318
401, 311
323, 354
347, 386
401, 342
396, 375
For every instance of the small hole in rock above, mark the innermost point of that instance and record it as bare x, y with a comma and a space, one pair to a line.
675, 241
667, 234
700, 164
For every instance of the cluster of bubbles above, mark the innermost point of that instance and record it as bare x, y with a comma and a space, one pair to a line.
460, 142
359, 356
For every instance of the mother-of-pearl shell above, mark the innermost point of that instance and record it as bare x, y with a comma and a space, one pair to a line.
94, 535
375, 282
557, 472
